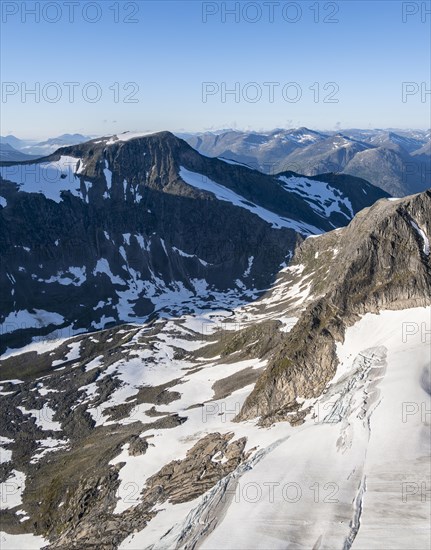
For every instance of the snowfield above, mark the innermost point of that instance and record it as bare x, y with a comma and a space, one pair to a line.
344, 479
322, 198
223, 193
364, 488
48, 178
24, 319
21, 542
127, 136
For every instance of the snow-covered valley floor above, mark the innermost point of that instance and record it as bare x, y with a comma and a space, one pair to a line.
354, 475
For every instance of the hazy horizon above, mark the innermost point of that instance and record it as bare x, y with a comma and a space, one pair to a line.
91, 135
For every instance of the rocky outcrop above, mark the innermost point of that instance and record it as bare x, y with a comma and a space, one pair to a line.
212, 458
382, 260
208, 461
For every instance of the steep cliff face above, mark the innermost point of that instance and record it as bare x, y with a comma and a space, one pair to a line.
382, 260
116, 229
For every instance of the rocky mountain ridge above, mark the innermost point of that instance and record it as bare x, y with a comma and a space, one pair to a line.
119, 228
382, 260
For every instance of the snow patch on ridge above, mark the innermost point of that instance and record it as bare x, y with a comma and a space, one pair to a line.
47, 178
127, 136
23, 319
422, 234
199, 181
322, 198
186, 255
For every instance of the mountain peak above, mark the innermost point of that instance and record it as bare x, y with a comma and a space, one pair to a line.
371, 263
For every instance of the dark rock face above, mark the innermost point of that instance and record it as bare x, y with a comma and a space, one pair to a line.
383, 262
127, 230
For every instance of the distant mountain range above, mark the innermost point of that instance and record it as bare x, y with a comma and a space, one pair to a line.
10, 154
397, 161
13, 148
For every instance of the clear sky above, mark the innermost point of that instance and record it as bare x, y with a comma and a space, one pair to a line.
177, 60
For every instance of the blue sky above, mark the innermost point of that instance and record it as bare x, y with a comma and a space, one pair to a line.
358, 53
